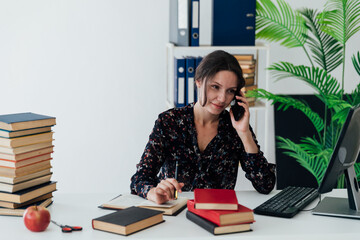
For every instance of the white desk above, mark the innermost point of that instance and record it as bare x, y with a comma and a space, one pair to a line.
79, 209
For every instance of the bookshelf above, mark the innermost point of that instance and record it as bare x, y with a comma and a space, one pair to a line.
261, 113
260, 51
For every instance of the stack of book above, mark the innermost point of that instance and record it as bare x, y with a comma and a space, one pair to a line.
218, 211
248, 66
26, 145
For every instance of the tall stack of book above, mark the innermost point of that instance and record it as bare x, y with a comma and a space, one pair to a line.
218, 211
248, 66
26, 145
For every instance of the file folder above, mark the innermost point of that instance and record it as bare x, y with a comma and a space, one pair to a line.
233, 23
194, 36
190, 83
206, 22
179, 22
179, 84
197, 62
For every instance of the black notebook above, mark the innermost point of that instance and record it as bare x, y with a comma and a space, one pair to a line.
128, 221
215, 229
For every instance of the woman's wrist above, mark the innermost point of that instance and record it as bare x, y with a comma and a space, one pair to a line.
248, 142
244, 135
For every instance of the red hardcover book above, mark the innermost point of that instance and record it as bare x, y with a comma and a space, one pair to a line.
219, 199
224, 217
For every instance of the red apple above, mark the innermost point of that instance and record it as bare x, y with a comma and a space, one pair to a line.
36, 218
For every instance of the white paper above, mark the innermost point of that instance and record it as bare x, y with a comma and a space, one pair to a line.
127, 200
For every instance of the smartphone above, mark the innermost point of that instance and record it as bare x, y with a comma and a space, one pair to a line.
237, 110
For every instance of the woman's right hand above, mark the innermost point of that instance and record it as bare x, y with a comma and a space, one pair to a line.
164, 191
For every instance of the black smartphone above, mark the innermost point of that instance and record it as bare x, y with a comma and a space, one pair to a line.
237, 110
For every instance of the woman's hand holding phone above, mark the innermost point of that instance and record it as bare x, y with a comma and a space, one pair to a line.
242, 125
239, 110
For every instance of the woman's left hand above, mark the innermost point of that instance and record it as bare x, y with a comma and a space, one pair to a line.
242, 125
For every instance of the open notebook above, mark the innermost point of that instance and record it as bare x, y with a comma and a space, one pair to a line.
122, 201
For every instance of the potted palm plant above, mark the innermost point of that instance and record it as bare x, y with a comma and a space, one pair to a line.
323, 37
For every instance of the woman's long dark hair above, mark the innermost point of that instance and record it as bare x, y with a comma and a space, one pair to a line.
213, 63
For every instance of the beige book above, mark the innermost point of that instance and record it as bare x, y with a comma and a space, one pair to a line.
249, 81
247, 66
24, 162
250, 99
19, 179
15, 172
128, 221
27, 148
127, 200
246, 62
22, 121
10, 134
248, 70
249, 88
29, 193
22, 156
27, 140
20, 212
5, 187
244, 57
248, 75
19, 205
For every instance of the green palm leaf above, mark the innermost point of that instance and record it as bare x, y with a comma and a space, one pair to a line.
313, 163
312, 146
356, 62
280, 23
326, 50
354, 97
316, 77
340, 107
357, 170
341, 19
331, 135
285, 102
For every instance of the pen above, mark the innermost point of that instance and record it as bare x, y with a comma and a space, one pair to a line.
176, 176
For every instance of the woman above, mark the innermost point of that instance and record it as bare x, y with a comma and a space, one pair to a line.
204, 139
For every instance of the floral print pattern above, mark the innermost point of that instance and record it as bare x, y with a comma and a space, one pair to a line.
174, 138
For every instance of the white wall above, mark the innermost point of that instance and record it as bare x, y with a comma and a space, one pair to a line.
99, 67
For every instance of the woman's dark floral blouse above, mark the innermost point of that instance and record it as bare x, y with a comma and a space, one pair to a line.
174, 138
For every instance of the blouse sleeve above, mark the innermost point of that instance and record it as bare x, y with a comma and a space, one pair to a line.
150, 163
258, 170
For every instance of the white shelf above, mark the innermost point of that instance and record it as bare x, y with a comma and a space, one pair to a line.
259, 105
261, 54
258, 46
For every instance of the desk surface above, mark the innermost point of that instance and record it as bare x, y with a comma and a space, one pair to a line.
79, 209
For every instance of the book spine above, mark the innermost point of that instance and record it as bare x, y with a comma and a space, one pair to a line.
207, 214
207, 225
92, 224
